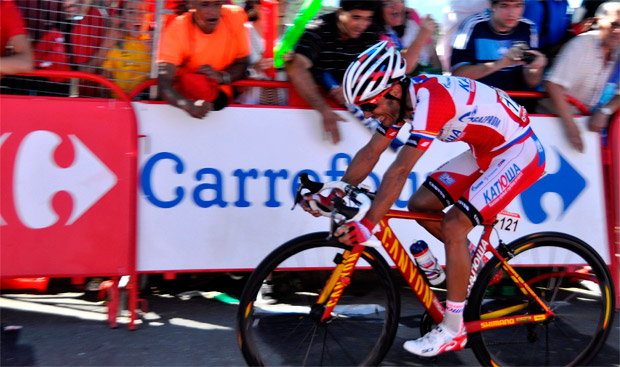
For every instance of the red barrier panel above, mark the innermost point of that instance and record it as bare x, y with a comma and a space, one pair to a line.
611, 155
68, 194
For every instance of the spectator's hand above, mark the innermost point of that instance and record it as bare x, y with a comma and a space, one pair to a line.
197, 109
288, 56
263, 64
598, 121
539, 62
330, 125
574, 136
583, 26
337, 94
512, 56
211, 73
428, 26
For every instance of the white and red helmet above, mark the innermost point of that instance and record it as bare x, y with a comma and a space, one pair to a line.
373, 72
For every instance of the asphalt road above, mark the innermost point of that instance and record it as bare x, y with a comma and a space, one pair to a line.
66, 327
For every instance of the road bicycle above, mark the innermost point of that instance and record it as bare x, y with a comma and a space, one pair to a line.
544, 299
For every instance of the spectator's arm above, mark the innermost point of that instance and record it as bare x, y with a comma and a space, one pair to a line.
599, 120
412, 54
563, 109
237, 69
22, 60
478, 71
165, 77
534, 72
299, 73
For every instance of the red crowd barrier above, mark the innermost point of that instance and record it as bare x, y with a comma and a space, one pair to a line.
68, 199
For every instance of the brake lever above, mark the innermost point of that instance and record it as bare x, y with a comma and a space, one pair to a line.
306, 183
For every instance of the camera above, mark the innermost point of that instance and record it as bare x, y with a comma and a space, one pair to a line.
526, 57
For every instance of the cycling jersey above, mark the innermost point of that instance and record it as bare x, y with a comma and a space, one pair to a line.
460, 109
505, 156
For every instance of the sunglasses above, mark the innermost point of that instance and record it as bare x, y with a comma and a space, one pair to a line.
372, 104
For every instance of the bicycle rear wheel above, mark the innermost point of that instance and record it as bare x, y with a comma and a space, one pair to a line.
570, 278
279, 324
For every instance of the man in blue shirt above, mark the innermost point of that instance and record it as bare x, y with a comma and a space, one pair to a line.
498, 48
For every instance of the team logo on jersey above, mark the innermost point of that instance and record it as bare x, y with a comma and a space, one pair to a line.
446, 178
501, 183
494, 121
464, 83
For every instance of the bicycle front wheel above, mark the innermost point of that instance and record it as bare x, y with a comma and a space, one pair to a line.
279, 322
570, 278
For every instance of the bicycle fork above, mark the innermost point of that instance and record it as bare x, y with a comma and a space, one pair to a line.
339, 280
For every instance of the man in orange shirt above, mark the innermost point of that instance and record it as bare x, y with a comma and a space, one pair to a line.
205, 45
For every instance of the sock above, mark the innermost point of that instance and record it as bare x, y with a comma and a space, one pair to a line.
453, 319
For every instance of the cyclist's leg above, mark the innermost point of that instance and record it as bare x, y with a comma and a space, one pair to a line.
443, 187
509, 173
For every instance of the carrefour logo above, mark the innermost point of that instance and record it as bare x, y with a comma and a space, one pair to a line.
38, 178
566, 182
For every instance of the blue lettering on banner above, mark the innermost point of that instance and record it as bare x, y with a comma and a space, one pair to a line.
501, 184
215, 186
566, 182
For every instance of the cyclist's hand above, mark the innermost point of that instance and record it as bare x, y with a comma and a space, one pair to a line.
354, 232
323, 202
330, 125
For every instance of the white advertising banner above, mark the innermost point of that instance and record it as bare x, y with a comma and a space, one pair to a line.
216, 193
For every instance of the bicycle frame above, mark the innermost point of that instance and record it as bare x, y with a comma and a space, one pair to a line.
341, 277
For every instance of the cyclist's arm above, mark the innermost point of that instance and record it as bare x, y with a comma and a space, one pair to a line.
366, 159
393, 182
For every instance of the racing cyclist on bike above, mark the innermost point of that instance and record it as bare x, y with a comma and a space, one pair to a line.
504, 159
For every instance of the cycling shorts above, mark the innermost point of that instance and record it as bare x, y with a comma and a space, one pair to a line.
481, 195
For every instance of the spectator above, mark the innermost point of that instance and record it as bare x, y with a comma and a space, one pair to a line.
92, 29
406, 31
552, 21
208, 43
324, 52
129, 62
15, 50
489, 47
585, 66
173, 9
455, 13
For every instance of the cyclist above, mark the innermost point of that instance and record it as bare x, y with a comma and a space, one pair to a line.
504, 159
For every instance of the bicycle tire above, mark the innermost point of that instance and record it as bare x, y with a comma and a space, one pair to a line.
582, 298
282, 330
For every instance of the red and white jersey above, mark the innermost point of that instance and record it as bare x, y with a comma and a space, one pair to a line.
452, 108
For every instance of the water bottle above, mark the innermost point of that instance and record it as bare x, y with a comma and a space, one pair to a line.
427, 262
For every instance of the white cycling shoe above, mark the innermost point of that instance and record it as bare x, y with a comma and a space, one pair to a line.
437, 341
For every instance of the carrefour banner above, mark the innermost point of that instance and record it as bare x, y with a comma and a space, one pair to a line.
217, 193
